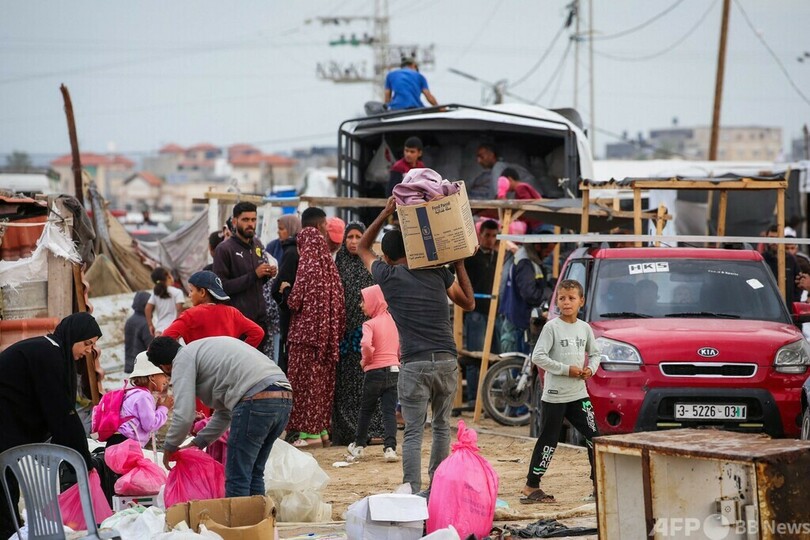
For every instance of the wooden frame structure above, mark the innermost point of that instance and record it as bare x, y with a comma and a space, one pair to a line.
708, 184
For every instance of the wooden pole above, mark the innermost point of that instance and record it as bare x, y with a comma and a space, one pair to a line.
780, 248
78, 184
586, 207
458, 335
76, 165
637, 212
493, 312
718, 84
722, 211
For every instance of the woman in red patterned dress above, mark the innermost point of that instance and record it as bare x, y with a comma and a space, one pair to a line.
317, 323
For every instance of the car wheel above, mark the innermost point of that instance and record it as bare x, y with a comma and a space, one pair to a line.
806, 424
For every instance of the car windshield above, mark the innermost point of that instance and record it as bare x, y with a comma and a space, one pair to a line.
685, 288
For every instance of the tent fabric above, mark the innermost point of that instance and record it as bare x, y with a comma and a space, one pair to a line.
105, 279
184, 251
136, 273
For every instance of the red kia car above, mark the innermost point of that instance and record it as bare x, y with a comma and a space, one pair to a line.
690, 337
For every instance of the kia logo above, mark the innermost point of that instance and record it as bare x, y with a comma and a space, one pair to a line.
708, 352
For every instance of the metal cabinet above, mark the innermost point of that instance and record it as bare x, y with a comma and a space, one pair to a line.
702, 484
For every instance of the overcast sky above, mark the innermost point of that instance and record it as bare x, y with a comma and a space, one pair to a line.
146, 73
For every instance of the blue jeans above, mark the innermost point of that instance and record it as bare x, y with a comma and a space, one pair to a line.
378, 384
255, 426
426, 378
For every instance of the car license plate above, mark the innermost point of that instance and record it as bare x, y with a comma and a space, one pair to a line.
710, 411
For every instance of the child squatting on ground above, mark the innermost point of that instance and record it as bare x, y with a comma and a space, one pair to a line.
560, 351
380, 362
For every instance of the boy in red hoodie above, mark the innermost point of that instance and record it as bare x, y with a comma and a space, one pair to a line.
380, 362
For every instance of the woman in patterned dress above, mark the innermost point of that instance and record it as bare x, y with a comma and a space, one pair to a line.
349, 379
317, 323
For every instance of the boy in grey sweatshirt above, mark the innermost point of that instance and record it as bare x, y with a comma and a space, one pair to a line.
561, 352
247, 391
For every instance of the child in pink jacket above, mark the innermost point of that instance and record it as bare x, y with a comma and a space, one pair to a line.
380, 362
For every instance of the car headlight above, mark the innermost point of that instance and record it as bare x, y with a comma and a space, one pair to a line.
793, 357
618, 356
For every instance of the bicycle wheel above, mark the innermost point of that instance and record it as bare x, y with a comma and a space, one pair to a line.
501, 400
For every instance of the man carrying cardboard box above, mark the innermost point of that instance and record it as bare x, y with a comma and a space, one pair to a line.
247, 391
417, 300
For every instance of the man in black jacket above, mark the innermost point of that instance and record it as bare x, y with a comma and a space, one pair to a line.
241, 263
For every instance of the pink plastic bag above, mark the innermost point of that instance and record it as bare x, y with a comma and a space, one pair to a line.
70, 503
217, 449
141, 476
195, 475
464, 489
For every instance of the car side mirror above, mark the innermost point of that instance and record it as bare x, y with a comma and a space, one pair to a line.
801, 313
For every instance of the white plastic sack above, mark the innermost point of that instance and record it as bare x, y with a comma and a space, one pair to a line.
304, 507
32, 268
380, 165
137, 522
288, 469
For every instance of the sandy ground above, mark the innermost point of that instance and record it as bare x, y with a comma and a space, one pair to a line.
508, 449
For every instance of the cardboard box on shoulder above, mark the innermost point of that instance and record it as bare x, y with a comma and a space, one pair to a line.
438, 232
233, 518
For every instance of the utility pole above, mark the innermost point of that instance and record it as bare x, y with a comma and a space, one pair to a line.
806, 134
592, 132
718, 85
575, 8
386, 56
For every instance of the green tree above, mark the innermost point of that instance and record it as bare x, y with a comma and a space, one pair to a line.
18, 161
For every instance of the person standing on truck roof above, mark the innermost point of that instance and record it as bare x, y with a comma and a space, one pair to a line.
405, 86
411, 159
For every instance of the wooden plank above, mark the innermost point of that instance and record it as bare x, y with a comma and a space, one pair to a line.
586, 204
637, 213
709, 185
780, 248
555, 262
722, 212
60, 286
491, 318
458, 335
60, 271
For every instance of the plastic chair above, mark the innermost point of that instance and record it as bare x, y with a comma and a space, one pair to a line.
36, 468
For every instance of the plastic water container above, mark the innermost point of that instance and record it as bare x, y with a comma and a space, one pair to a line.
286, 194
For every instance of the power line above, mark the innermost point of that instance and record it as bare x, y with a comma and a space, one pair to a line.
665, 50
636, 28
779, 63
543, 57
556, 72
486, 24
